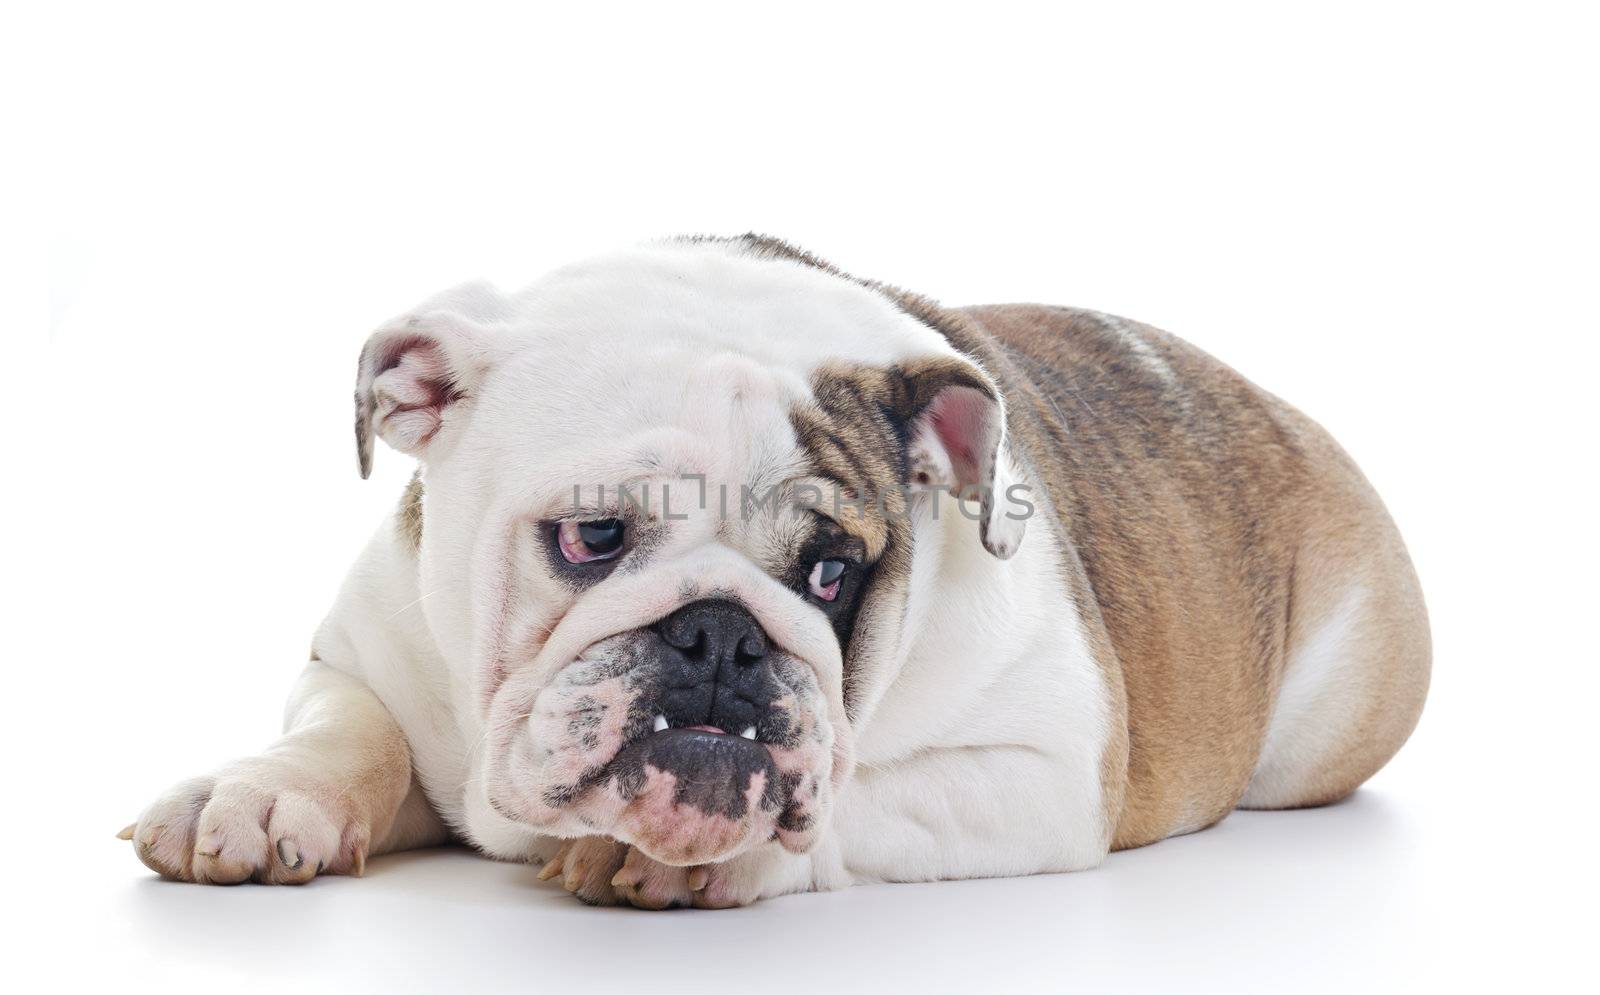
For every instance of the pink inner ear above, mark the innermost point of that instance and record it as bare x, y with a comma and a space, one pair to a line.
413, 387
957, 415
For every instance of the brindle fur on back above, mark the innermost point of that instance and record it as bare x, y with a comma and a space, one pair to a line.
1178, 482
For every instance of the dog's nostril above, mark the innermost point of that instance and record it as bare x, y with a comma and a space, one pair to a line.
721, 632
681, 633
751, 649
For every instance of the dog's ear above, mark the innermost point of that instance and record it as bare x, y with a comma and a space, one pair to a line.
957, 440
414, 375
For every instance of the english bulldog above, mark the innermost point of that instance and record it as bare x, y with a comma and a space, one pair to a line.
725, 575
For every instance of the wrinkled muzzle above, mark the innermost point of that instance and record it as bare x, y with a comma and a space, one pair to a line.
692, 739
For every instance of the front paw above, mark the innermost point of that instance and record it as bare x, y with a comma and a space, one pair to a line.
586, 867
601, 871
253, 822
759, 873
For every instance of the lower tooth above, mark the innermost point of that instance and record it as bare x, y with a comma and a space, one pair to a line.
749, 732
661, 722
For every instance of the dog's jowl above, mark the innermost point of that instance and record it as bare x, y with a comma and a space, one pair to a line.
725, 574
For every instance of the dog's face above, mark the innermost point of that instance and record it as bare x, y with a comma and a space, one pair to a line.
671, 500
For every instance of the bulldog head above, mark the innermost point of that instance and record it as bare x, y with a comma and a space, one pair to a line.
671, 501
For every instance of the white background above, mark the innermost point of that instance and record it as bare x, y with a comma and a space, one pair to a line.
1385, 213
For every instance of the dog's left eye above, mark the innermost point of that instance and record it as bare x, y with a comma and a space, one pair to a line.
589, 542
825, 579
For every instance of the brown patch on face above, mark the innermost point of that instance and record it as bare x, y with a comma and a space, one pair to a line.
408, 519
858, 428
857, 432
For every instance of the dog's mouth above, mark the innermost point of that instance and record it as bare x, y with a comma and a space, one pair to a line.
688, 791
691, 794
690, 772
711, 771
663, 724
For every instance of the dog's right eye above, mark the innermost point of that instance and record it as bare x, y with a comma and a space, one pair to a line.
825, 578
590, 542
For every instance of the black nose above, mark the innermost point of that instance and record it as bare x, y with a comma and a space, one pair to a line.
716, 632
714, 667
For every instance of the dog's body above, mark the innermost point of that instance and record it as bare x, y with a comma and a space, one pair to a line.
1211, 608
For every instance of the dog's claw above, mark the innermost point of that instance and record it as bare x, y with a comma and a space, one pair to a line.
574, 877
127, 832
697, 878
551, 868
629, 875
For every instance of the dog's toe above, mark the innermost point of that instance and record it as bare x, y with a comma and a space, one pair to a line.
251, 826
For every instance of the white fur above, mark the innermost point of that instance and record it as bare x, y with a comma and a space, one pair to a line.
983, 757
978, 746
1316, 705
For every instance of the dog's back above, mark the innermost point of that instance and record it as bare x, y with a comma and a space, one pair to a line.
1259, 606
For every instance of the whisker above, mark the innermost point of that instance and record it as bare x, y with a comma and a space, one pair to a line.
412, 605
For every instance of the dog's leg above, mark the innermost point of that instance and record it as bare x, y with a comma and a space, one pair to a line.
336, 789
963, 812
601, 871
970, 812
